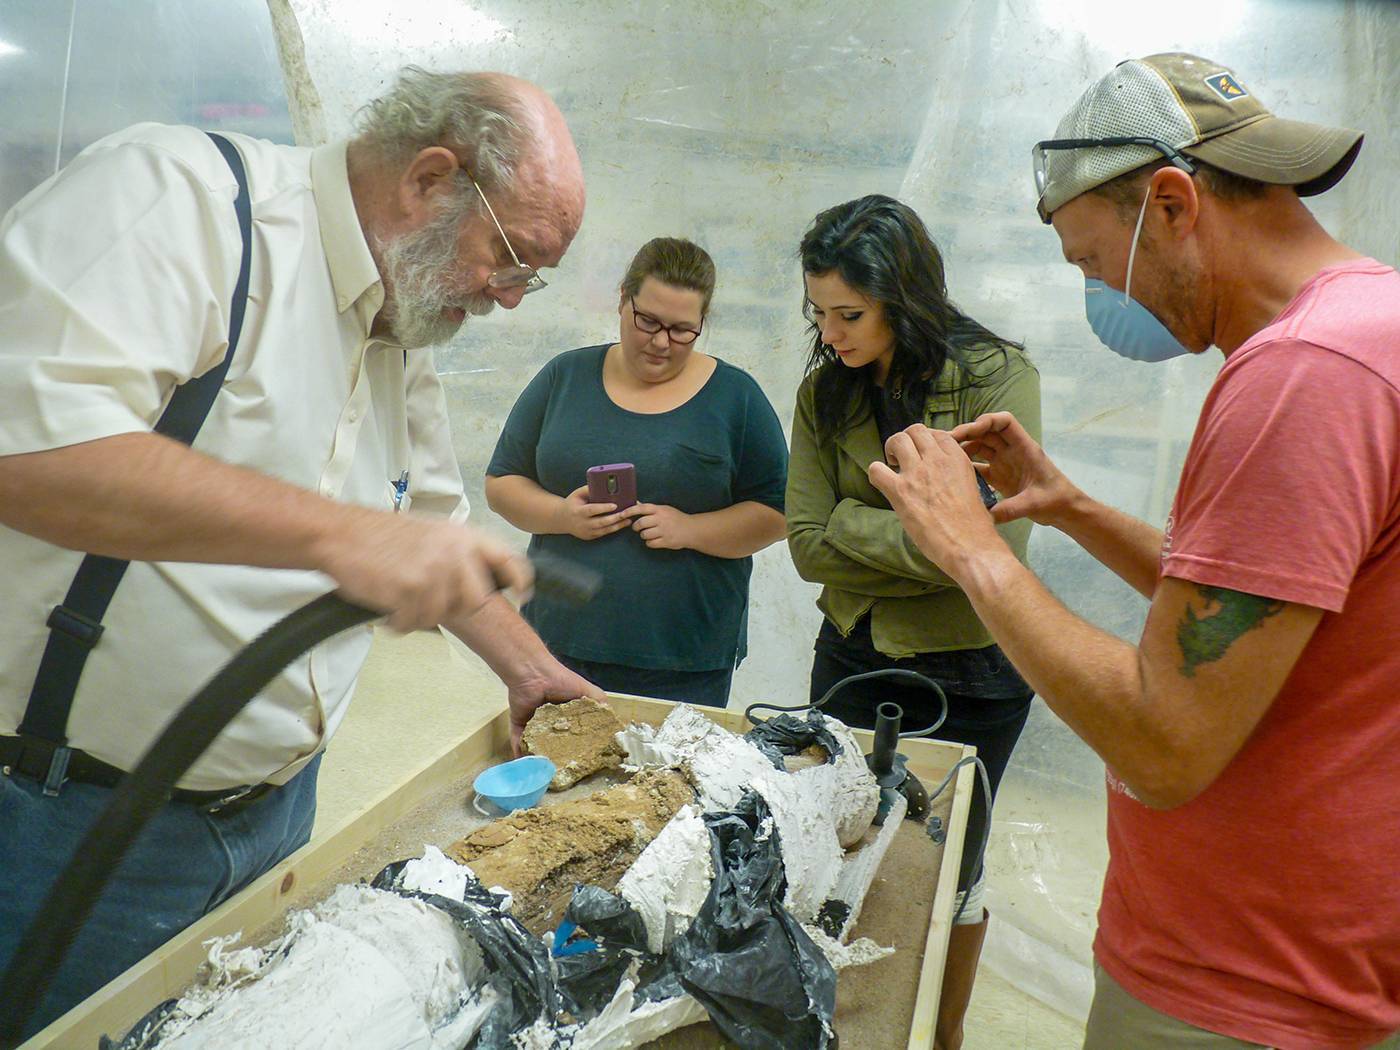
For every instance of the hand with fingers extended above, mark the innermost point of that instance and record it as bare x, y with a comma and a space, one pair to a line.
419, 571
589, 521
661, 527
552, 683
1030, 484
931, 485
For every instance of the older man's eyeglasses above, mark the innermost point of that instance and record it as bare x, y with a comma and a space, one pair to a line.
677, 333
517, 276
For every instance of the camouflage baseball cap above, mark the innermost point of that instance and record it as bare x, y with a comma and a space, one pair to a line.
1181, 106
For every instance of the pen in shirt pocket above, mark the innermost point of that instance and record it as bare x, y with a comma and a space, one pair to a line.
399, 487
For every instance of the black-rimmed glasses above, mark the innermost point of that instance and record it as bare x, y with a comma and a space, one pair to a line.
681, 334
517, 276
1039, 150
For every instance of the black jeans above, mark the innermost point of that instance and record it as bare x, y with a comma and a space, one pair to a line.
708, 688
987, 707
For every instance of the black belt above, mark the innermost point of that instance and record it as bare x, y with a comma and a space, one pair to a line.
34, 759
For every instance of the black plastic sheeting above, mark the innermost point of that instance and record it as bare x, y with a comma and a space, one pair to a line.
787, 735
762, 980
517, 962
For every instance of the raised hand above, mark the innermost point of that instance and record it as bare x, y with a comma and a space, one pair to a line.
1030, 484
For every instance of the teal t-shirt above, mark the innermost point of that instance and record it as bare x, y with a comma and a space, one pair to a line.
672, 610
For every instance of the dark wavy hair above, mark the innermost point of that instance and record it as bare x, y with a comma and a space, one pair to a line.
882, 249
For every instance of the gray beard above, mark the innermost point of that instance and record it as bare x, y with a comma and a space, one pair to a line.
418, 270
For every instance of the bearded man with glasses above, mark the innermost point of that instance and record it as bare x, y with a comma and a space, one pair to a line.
271, 306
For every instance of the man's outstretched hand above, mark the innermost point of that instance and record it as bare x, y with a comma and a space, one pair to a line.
1029, 483
933, 489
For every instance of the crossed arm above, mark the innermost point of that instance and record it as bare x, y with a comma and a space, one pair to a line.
1167, 715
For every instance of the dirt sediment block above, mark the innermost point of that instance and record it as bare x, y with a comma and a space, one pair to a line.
579, 737
541, 854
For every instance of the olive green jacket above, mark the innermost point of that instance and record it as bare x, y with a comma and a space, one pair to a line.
843, 534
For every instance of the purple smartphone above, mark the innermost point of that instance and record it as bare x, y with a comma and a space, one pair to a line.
613, 483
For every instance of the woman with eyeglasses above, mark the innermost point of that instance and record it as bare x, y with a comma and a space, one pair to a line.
709, 462
889, 349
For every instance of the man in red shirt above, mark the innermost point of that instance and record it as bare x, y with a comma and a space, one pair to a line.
1252, 737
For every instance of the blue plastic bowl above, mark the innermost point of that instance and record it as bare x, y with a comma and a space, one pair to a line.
518, 784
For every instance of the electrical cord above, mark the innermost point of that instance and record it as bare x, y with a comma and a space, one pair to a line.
884, 672
146, 789
986, 782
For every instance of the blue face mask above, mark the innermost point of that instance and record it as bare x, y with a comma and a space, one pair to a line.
1122, 323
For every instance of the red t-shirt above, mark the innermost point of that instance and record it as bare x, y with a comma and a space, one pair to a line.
1268, 908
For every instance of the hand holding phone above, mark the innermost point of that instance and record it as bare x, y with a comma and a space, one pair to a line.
583, 519
614, 483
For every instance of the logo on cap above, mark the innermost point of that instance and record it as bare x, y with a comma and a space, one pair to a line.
1227, 87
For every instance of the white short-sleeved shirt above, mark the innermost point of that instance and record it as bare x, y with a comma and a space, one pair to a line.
116, 281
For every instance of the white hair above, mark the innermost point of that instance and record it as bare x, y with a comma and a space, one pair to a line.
473, 114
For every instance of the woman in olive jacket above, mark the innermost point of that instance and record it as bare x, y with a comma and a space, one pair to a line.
890, 350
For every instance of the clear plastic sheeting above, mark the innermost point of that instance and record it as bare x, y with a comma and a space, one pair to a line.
735, 123
72, 71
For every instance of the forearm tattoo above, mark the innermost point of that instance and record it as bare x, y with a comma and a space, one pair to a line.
1227, 615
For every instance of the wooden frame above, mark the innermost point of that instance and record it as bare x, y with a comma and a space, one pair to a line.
296, 881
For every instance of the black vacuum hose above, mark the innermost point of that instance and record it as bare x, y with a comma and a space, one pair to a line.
146, 789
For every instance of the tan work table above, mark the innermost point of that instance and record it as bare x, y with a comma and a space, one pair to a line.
909, 906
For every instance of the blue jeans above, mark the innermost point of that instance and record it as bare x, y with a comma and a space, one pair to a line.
184, 864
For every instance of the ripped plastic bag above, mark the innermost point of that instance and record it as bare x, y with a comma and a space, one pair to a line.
517, 963
787, 735
762, 980
590, 968
607, 917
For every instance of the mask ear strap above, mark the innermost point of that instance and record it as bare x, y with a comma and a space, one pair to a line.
1132, 252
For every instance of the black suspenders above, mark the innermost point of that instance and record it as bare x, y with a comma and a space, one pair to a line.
75, 626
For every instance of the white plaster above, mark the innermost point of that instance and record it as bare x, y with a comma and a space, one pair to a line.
857, 791
669, 882
720, 764
802, 807
364, 968
542, 1035
859, 867
859, 952
332, 989
625, 1023
436, 872
434, 954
